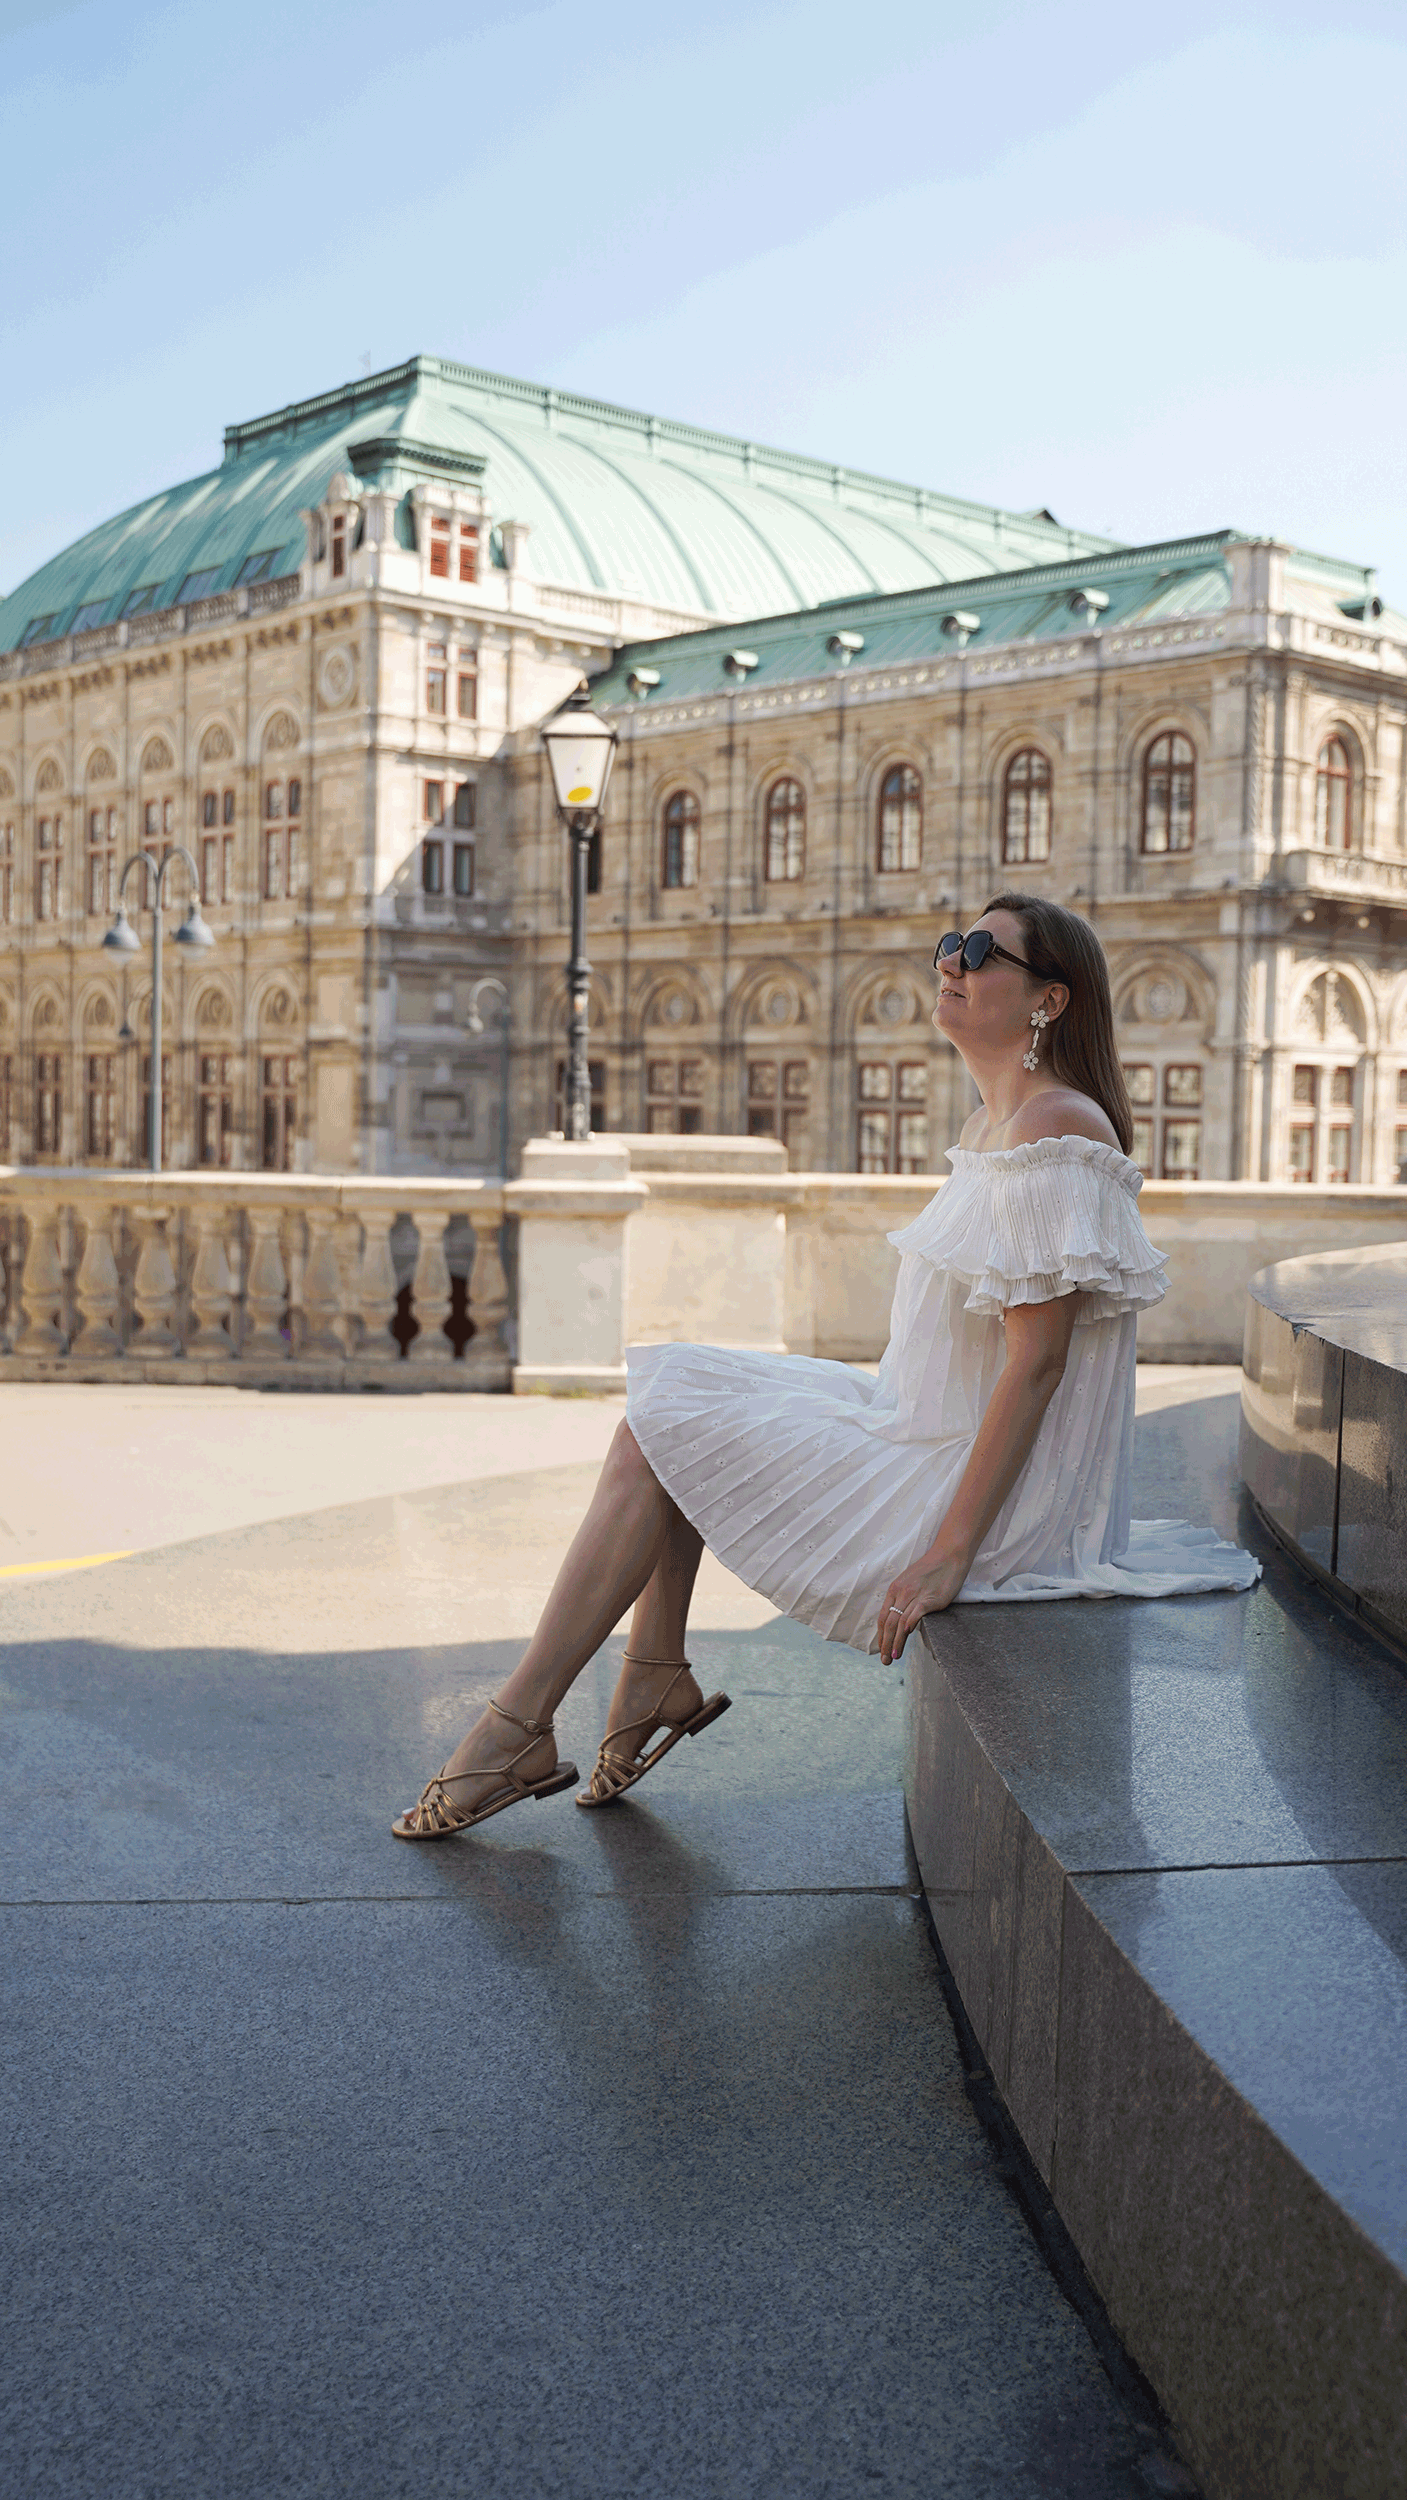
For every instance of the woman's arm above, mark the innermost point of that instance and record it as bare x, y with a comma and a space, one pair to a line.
1037, 1342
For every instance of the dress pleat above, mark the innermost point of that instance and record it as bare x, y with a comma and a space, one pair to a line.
816, 1483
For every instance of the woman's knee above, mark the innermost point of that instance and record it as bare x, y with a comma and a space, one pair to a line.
626, 1457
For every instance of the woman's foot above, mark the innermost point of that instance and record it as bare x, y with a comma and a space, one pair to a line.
491, 1768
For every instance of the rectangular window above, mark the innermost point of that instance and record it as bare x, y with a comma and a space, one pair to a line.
1182, 1145
1306, 1086
227, 808
1341, 1086
208, 805
468, 693
1340, 1155
1401, 1141
464, 806
1402, 1088
1182, 1088
432, 867
434, 803
468, 551
1141, 1084
100, 1107
48, 1101
7, 874
463, 869
1301, 1154
7, 1078
674, 1107
102, 859
215, 1109
282, 832
435, 690
439, 549
227, 868
339, 547
210, 868
49, 842
897, 1140
280, 1112
1141, 1150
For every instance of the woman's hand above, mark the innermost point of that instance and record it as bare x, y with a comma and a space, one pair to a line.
925, 1588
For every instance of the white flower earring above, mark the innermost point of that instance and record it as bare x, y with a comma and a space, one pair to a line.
1029, 1057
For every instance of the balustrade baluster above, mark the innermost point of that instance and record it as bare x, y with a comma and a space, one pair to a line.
486, 1354
376, 1291
98, 1288
322, 1291
154, 1288
432, 1291
265, 1290
212, 1288
42, 1288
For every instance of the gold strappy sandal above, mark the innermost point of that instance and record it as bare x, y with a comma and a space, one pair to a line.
434, 1816
615, 1772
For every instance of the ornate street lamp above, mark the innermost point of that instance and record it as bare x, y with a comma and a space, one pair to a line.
122, 939
581, 750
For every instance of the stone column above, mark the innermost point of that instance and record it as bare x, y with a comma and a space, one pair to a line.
432, 1290
98, 1289
486, 1356
42, 1287
265, 1291
154, 1288
376, 1291
322, 1291
573, 1203
212, 1288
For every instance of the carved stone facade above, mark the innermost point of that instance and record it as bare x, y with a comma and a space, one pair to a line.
800, 806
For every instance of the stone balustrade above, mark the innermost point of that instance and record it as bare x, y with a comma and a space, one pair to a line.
317, 1281
259, 1280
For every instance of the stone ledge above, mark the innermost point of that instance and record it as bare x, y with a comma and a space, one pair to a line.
1165, 1850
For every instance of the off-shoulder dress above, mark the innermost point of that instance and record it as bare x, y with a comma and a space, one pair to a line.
816, 1483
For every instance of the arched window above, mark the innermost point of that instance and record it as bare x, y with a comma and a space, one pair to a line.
1333, 796
900, 820
1026, 808
680, 863
1169, 794
786, 832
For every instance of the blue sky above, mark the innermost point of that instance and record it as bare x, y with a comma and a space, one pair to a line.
1147, 268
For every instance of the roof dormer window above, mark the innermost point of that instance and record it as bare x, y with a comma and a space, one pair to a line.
39, 629
440, 549
339, 546
468, 551
198, 585
256, 568
141, 602
90, 614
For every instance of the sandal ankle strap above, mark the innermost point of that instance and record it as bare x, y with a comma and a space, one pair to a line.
530, 1727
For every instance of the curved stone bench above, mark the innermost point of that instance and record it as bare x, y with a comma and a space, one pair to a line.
1324, 1431
1165, 1848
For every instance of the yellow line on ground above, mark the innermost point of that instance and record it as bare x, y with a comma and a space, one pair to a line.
70, 1562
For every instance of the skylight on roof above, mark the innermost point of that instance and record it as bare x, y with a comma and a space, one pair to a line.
38, 629
141, 600
256, 568
198, 585
89, 615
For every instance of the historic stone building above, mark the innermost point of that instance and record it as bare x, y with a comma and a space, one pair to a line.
849, 711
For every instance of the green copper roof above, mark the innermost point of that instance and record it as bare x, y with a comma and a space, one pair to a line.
1182, 577
616, 502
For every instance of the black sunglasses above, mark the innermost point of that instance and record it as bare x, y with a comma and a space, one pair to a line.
972, 952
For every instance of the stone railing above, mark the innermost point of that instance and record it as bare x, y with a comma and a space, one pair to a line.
154, 625
1363, 873
262, 1279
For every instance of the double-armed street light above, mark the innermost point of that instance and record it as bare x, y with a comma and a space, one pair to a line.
122, 939
581, 750
476, 1024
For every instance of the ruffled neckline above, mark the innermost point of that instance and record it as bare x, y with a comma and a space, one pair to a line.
1110, 1159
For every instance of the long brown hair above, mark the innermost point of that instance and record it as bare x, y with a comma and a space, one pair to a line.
1060, 946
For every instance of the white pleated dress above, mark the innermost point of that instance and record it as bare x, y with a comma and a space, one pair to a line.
817, 1483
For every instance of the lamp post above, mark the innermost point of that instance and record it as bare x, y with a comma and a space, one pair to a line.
581, 750
122, 939
475, 1023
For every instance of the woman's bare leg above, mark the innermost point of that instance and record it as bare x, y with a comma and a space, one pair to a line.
612, 1559
658, 1630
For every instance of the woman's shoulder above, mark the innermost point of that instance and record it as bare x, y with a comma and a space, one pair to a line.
1060, 1111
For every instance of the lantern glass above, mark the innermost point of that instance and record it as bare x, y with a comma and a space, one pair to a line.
581, 750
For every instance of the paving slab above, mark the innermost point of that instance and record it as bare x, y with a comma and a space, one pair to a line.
605, 2154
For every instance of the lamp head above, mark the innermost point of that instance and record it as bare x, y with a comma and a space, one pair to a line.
580, 750
122, 938
844, 646
194, 931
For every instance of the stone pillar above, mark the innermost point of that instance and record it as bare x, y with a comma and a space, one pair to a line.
42, 1287
432, 1290
322, 1291
265, 1291
486, 1356
376, 1290
573, 1204
212, 1287
154, 1288
97, 1288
